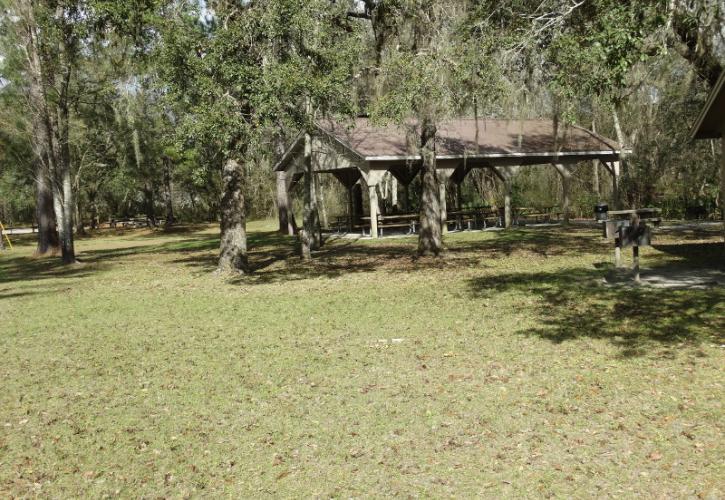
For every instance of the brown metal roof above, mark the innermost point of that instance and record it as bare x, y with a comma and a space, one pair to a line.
710, 123
531, 141
457, 138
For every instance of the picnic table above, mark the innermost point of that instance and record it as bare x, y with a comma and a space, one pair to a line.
474, 217
538, 214
132, 222
408, 221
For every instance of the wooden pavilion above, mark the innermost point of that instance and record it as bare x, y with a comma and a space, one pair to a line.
361, 153
710, 124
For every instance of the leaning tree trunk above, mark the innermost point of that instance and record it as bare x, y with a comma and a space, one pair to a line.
430, 240
233, 248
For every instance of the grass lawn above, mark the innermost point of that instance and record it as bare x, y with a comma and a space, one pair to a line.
505, 368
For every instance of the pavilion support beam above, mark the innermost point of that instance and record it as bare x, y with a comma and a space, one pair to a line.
614, 170
286, 181
406, 198
349, 178
357, 203
722, 184
506, 175
372, 179
566, 176
458, 177
284, 206
444, 175
507, 213
405, 175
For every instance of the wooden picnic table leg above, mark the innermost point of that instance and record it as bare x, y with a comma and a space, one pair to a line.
617, 252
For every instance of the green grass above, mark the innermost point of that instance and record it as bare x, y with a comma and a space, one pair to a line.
505, 368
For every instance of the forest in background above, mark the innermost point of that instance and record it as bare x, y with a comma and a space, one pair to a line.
177, 110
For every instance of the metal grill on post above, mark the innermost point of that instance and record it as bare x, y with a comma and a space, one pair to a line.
628, 228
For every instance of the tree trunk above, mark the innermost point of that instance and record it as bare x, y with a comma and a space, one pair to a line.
80, 230
284, 210
233, 248
321, 202
595, 170
94, 209
168, 194
148, 193
63, 179
311, 220
48, 238
47, 232
430, 241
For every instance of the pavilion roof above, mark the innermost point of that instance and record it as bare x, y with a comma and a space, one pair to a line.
710, 122
456, 138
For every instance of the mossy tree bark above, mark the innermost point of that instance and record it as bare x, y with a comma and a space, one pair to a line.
430, 240
311, 239
233, 248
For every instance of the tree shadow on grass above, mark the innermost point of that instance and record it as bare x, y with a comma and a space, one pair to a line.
22, 268
542, 242
574, 303
275, 258
702, 254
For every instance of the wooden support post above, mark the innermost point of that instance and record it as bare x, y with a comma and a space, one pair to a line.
3, 234
566, 176
615, 170
357, 202
373, 194
722, 184
350, 208
635, 258
506, 175
372, 178
507, 214
617, 252
444, 175
284, 205
444, 211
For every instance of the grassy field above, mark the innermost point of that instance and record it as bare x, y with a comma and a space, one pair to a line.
505, 368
